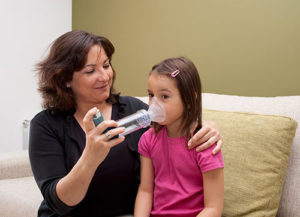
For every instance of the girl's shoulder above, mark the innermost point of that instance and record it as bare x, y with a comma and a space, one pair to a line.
208, 161
150, 136
149, 142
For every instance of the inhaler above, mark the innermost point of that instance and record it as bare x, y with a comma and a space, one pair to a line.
138, 120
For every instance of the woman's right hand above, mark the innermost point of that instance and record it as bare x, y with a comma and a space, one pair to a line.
72, 188
98, 143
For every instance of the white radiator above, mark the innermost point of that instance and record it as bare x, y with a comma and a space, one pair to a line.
26, 126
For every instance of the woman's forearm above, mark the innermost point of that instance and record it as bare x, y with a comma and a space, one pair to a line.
73, 187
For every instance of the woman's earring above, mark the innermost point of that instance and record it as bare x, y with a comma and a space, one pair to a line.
68, 85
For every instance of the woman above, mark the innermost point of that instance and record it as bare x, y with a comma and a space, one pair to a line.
80, 170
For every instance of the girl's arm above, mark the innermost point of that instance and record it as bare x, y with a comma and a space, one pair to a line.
213, 184
144, 198
208, 135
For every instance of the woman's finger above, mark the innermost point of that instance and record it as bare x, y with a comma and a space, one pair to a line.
99, 144
193, 142
206, 144
105, 125
113, 132
213, 140
209, 135
218, 147
88, 124
116, 141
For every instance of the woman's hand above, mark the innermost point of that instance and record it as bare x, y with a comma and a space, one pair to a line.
208, 135
72, 188
98, 143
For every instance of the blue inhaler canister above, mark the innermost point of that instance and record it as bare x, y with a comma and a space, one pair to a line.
98, 118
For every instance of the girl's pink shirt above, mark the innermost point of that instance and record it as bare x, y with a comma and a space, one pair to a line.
178, 182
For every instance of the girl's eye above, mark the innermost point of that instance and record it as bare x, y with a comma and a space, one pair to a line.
150, 95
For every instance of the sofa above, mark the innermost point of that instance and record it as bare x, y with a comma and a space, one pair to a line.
261, 152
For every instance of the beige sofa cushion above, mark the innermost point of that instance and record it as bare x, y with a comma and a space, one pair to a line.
256, 152
19, 197
279, 105
14, 165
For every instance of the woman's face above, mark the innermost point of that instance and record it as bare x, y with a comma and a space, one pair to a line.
92, 83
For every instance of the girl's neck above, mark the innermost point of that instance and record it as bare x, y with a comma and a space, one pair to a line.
175, 130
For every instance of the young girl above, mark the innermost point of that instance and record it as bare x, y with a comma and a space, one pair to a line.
170, 184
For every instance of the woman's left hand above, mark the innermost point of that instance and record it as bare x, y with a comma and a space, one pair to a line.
208, 135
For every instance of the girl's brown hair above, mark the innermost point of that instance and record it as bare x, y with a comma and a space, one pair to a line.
189, 85
67, 54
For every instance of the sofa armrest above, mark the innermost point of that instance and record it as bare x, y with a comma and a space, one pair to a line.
15, 165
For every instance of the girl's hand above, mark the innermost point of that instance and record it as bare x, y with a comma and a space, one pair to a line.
208, 135
98, 144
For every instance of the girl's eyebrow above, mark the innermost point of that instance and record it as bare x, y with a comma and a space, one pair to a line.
165, 89
161, 90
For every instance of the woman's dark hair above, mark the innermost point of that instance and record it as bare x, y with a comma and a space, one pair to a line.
68, 53
189, 85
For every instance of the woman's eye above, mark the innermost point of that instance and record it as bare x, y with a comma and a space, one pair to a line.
90, 71
150, 95
106, 66
165, 96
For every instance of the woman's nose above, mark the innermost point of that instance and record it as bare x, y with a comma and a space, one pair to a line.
102, 75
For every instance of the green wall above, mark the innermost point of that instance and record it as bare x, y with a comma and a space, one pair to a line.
240, 47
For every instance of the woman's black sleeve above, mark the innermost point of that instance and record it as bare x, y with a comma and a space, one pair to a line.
47, 158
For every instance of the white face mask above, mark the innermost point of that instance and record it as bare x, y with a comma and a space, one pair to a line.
156, 111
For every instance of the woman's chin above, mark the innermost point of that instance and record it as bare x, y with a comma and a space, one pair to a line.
102, 98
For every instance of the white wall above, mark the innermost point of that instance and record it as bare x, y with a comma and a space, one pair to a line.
27, 29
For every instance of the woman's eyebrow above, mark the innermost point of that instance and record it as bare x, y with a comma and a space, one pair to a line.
91, 64
87, 65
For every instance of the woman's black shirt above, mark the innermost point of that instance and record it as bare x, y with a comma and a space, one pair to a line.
55, 145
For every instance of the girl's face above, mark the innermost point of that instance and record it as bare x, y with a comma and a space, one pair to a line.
165, 90
92, 83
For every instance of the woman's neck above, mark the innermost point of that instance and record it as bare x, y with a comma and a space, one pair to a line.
83, 108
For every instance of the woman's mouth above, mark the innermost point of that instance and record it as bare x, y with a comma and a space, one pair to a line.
103, 87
